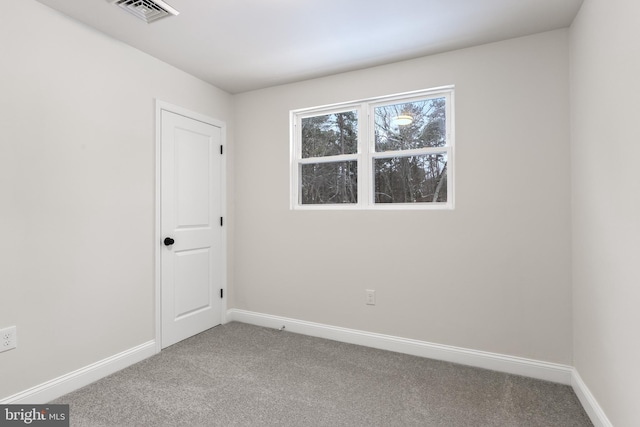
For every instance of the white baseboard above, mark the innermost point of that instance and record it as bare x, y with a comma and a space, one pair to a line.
497, 362
67, 383
589, 402
562, 374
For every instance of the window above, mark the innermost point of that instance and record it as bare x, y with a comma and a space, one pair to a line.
392, 152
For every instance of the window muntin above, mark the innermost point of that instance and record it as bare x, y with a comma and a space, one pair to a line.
363, 155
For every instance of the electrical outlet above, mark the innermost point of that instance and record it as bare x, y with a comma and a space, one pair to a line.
8, 338
371, 297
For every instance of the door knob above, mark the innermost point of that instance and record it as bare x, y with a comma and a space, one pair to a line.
168, 241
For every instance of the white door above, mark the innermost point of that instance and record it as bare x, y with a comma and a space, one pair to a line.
191, 227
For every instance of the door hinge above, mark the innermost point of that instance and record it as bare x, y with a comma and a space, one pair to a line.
221, 150
221, 293
221, 222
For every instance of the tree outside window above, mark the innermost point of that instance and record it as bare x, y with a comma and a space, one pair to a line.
385, 152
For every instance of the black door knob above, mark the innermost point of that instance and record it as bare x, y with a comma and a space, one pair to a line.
168, 241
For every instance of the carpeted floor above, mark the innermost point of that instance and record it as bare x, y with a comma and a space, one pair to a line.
243, 375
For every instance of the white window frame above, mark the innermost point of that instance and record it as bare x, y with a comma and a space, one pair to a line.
366, 153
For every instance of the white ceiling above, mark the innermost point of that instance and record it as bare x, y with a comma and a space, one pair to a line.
240, 45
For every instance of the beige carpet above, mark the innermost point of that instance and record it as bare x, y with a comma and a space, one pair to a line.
243, 375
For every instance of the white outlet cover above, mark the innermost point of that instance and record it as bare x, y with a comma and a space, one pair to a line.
371, 297
8, 339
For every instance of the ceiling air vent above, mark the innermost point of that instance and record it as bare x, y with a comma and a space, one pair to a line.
147, 10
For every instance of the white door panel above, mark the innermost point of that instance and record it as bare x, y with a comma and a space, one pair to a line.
191, 208
193, 190
194, 294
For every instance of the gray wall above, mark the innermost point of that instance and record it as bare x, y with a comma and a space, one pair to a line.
77, 202
605, 145
493, 274
77, 181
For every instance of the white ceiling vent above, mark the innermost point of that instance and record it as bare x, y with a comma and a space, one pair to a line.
147, 10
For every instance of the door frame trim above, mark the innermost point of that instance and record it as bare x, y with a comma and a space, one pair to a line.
165, 106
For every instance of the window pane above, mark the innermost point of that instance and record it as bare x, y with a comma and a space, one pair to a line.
409, 125
330, 135
329, 183
411, 179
